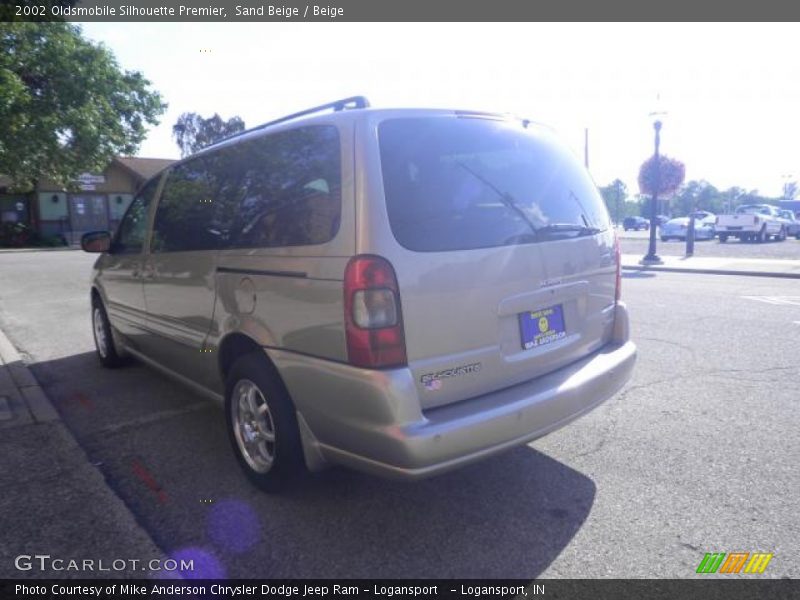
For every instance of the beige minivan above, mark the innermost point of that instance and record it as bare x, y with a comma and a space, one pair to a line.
398, 291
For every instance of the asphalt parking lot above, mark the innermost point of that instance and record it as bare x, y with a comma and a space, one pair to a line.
698, 454
636, 242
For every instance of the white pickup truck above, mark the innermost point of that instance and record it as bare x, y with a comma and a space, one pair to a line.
751, 222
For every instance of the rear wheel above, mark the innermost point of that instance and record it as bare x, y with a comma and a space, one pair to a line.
664, 238
103, 339
762, 235
723, 238
782, 235
262, 424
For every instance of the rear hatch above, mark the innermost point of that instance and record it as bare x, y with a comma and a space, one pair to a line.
507, 267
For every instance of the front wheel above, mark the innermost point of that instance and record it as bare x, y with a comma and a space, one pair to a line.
664, 238
723, 238
262, 424
762, 235
782, 235
104, 344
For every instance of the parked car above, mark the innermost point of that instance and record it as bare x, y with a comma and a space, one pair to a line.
635, 223
662, 219
751, 222
703, 215
310, 274
792, 223
677, 229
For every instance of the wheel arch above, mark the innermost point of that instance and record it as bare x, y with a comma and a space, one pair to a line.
233, 346
95, 294
237, 344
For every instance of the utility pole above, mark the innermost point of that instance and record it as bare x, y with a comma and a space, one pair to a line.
651, 258
586, 147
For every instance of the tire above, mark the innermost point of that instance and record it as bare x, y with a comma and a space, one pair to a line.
797, 236
723, 238
762, 235
782, 235
104, 344
664, 238
266, 441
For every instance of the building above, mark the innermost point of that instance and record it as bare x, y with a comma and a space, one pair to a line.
792, 205
98, 203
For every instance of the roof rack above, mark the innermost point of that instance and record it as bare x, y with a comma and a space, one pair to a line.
338, 105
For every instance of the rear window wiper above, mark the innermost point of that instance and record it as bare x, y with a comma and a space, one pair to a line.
506, 198
556, 228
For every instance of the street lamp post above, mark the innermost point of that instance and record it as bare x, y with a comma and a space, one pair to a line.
652, 258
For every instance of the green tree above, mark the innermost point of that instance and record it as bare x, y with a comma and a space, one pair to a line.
619, 201
66, 106
697, 195
192, 132
731, 198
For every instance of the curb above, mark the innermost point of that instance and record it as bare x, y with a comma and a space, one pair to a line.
781, 275
39, 405
42, 249
128, 533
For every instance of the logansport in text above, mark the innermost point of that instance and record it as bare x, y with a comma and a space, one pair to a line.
131, 589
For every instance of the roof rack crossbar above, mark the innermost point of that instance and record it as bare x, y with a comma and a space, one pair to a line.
338, 105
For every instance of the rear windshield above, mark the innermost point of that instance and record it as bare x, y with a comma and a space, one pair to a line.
463, 183
753, 210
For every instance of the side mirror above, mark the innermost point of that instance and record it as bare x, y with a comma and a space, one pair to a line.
96, 241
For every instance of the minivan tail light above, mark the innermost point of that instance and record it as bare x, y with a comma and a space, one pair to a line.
618, 258
373, 318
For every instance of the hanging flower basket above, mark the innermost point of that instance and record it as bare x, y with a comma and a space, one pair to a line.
671, 174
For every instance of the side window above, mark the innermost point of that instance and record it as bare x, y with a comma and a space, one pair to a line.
184, 215
131, 231
277, 190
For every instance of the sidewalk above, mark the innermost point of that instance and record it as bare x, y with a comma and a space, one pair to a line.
54, 502
755, 267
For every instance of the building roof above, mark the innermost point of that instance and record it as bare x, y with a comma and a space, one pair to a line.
143, 168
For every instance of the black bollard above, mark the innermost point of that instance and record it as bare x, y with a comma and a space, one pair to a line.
690, 237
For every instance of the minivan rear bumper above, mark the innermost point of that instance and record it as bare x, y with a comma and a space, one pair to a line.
372, 421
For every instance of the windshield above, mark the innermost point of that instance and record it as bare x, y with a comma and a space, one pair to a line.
456, 183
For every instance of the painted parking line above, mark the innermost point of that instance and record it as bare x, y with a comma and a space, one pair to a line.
147, 478
776, 300
79, 398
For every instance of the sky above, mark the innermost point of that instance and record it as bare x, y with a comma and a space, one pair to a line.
728, 94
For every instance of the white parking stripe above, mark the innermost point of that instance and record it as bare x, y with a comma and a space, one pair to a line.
779, 300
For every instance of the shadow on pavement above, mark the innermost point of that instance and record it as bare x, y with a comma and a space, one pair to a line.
166, 453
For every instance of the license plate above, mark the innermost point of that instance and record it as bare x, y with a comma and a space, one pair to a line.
542, 327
